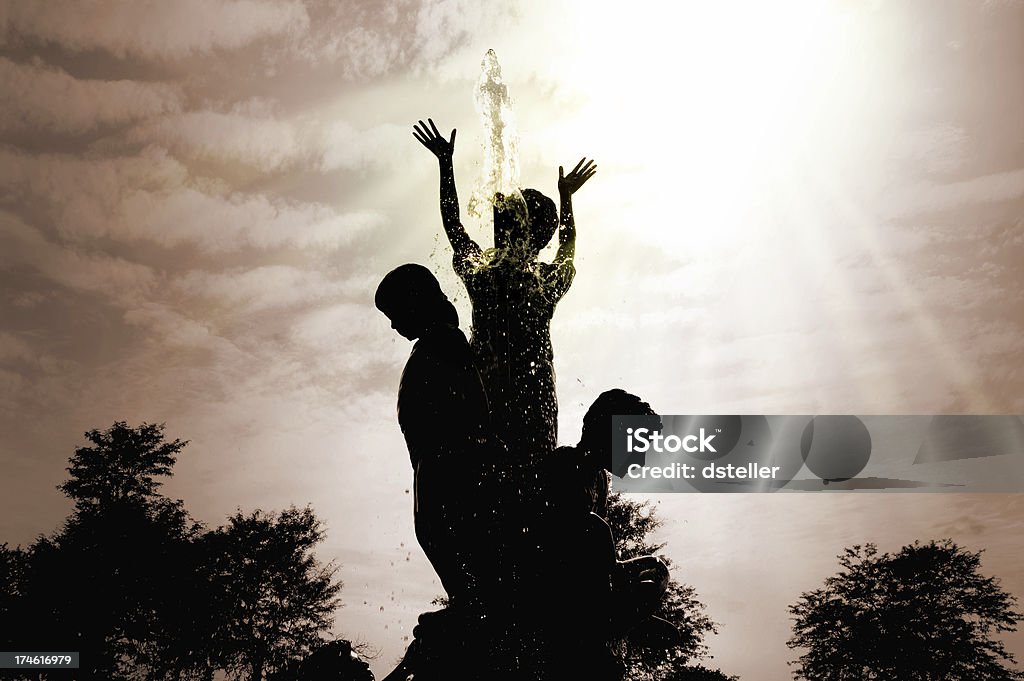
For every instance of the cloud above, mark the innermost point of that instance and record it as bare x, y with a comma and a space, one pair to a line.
148, 197
40, 97
28, 299
14, 351
365, 40
83, 187
150, 29
259, 141
253, 136
934, 198
363, 52
366, 52
368, 40
234, 221
937, 149
13, 348
117, 278
443, 25
347, 148
171, 329
269, 287
345, 339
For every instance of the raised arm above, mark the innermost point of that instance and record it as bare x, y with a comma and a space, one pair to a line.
444, 149
567, 186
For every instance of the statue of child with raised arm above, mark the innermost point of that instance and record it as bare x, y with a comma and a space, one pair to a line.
514, 296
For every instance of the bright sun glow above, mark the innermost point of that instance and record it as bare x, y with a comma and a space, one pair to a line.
730, 88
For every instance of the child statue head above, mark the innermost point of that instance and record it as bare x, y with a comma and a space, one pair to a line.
524, 222
412, 299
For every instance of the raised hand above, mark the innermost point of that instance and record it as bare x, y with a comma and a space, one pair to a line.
432, 139
568, 184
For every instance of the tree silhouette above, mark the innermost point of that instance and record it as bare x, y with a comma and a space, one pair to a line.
143, 591
632, 522
923, 613
273, 598
697, 673
116, 580
123, 465
336, 660
12, 578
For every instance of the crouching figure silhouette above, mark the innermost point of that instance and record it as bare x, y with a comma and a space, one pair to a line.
579, 480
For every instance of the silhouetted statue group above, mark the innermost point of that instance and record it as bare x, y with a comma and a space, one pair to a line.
513, 525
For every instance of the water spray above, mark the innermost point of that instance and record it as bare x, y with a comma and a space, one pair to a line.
500, 176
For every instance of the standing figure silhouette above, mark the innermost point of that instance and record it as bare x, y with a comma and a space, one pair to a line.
514, 296
443, 414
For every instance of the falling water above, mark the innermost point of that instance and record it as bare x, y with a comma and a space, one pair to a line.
501, 142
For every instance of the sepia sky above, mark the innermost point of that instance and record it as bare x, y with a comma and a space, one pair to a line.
807, 207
